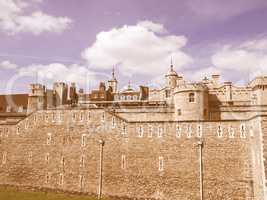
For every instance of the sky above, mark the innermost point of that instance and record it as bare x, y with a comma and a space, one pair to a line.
83, 40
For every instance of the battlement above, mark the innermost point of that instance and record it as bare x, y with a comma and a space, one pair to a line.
36, 86
190, 87
37, 90
59, 84
258, 82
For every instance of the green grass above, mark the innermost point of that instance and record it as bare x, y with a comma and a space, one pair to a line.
7, 193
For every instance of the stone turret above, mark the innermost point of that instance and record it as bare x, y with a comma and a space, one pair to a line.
171, 78
60, 93
37, 98
191, 102
113, 83
73, 94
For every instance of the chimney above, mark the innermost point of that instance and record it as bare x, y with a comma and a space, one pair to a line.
215, 79
228, 91
144, 93
102, 87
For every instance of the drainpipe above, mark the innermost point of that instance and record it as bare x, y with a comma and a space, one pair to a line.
101, 145
200, 145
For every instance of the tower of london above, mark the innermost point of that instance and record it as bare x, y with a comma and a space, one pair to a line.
186, 140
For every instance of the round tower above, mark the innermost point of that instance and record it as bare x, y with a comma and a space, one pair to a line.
171, 78
191, 102
259, 90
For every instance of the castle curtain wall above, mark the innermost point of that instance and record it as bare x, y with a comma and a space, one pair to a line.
60, 150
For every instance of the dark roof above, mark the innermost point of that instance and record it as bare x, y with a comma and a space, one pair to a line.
14, 101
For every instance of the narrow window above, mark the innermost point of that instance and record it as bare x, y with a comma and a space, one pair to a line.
46, 117
81, 181
161, 163
30, 157
48, 177
4, 158
191, 97
88, 115
1, 132
61, 179
81, 117
231, 131
140, 131
160, 131
220, 131
189, 131
73, 116
63, 162
124, 129
113, 122
178, 131
123, 162
60, 116
179, 112
150, 131
82, 161
26, 124
47, 158
49, 139
243, 131
53, 117
83, 142
103, 117
199, 131
34, 118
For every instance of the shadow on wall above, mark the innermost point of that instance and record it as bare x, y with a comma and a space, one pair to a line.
214, 107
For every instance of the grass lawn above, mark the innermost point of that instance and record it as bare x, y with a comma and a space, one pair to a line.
7, 193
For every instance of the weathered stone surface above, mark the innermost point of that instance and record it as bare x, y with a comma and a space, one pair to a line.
233, 167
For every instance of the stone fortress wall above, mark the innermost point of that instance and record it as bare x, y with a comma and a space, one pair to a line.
180, 142
60, 150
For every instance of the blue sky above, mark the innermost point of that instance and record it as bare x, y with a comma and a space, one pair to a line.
80, 41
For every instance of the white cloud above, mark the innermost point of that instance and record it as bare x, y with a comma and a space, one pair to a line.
40, 22
223, 10
243, 61
137, 49
48, 74
14, 20
7, 65
260, 44
157, 28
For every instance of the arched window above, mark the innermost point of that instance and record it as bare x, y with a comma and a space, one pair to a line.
191, 97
